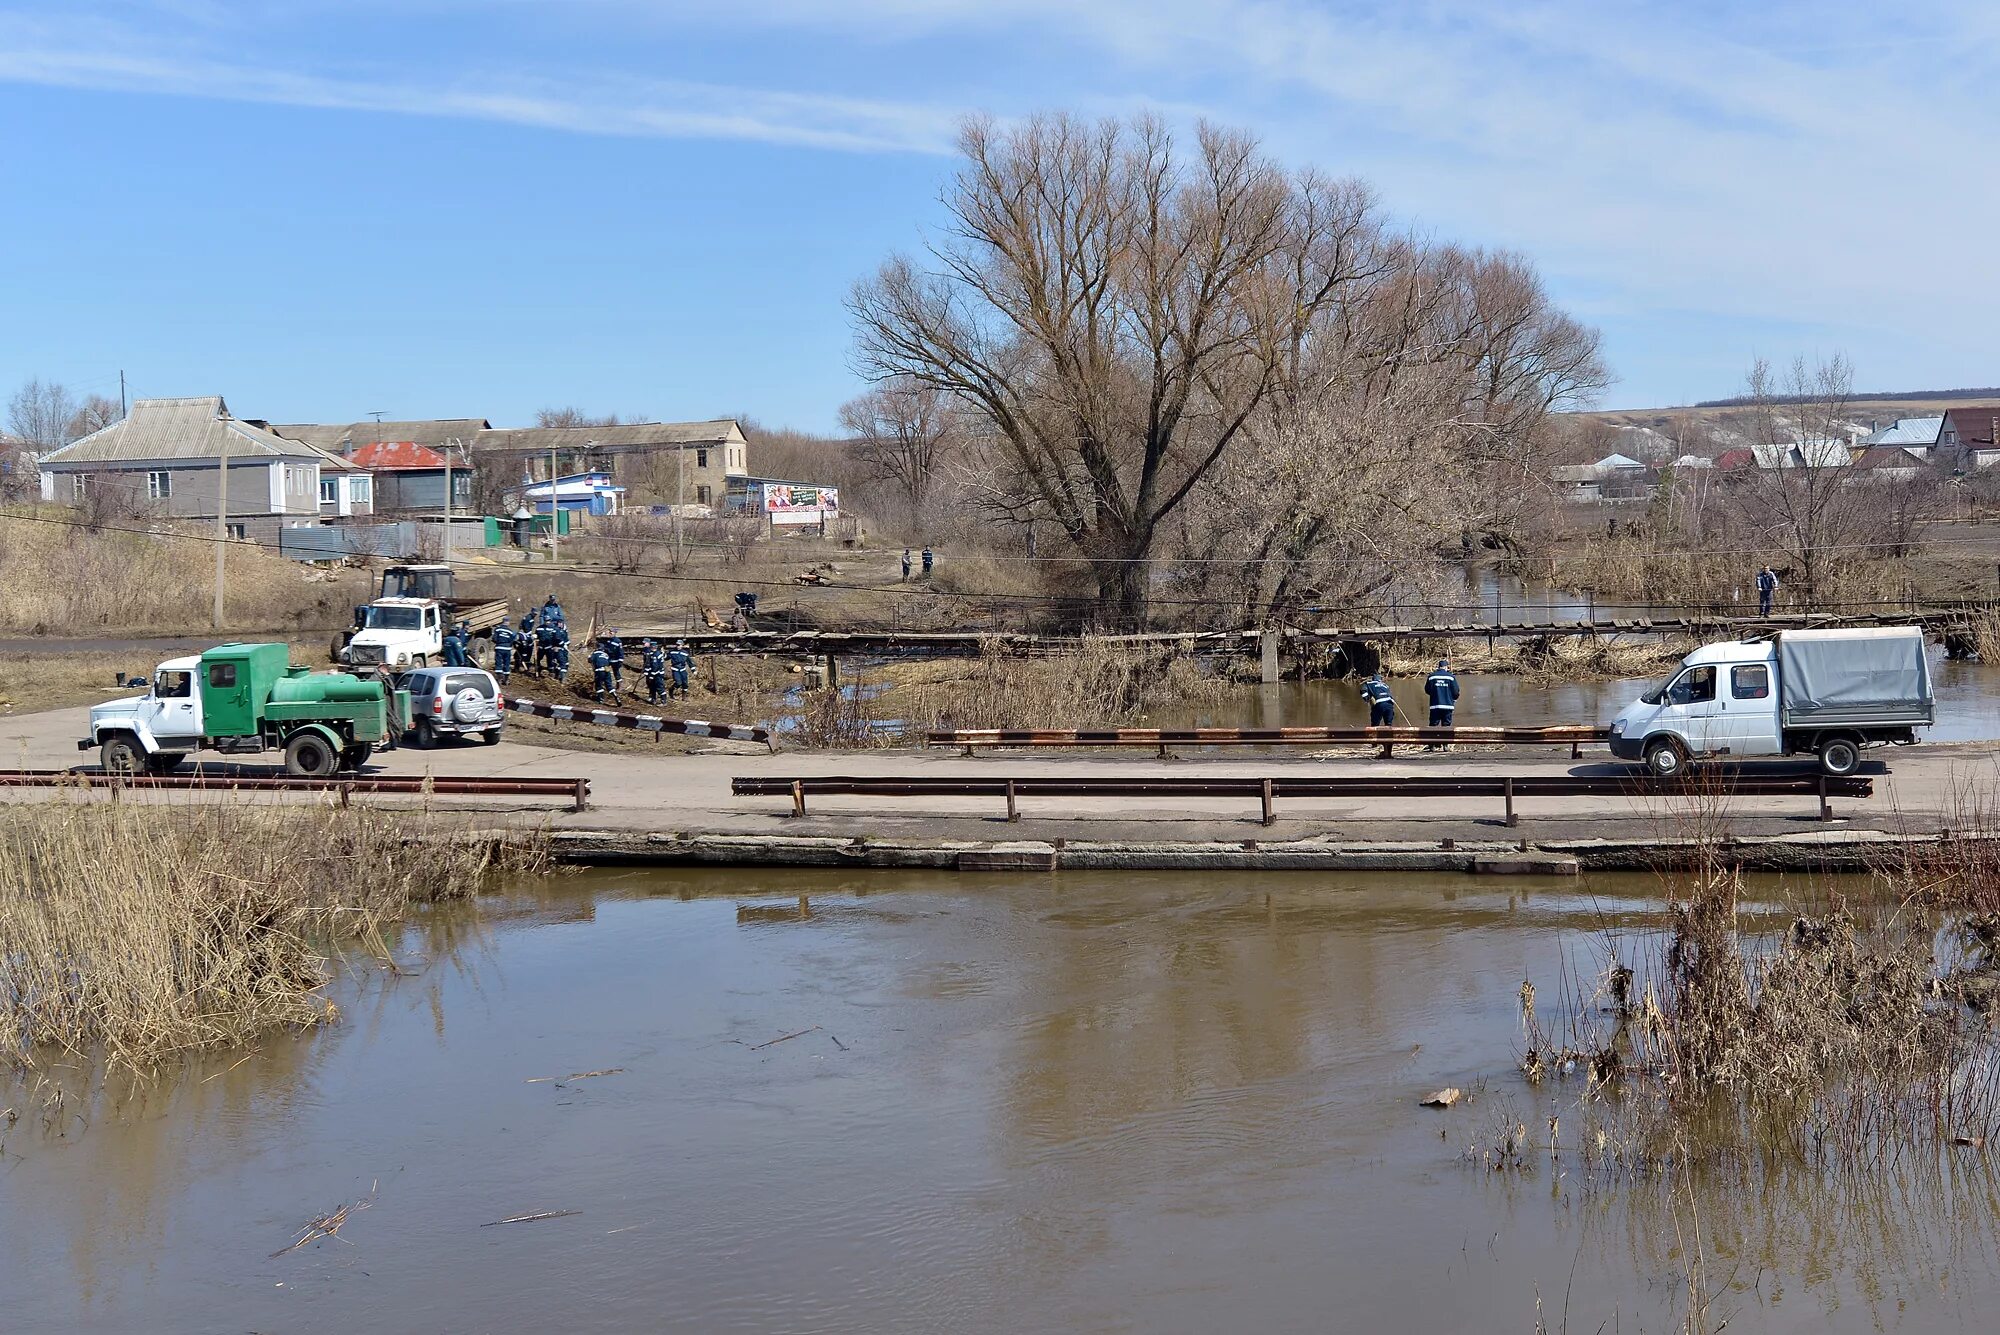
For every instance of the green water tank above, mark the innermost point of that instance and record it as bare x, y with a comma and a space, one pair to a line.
325, 688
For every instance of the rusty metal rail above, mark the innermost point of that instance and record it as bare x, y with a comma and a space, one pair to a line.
1508, 787
576, 791
1574, 736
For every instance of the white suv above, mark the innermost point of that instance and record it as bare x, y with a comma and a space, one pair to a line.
447, 701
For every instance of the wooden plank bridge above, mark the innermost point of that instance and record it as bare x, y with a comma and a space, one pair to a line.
1949, 622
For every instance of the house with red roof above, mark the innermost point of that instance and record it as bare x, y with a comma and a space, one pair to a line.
410, 478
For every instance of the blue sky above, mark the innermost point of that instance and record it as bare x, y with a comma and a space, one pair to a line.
323, 208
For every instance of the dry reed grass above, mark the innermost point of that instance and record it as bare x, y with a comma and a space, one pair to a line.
1102, 684
134, 932
58, 579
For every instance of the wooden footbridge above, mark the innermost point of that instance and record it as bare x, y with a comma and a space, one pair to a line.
1951, 623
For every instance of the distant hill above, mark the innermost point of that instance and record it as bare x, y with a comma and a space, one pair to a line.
1915, 396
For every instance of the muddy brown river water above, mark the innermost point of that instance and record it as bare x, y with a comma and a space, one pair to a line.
936, 1103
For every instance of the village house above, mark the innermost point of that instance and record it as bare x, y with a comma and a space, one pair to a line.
410, 478
658, 463
167, 457
1966, 440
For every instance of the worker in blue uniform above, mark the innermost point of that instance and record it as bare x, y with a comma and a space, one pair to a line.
552, 610
655, 663
562, 652
503, 651
601, 684
614, 649
1767, 589
545, 645
454, 647
1381, 704
1442, 689
682, 664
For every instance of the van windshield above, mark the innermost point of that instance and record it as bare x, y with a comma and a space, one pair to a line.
1658, 691
395, 618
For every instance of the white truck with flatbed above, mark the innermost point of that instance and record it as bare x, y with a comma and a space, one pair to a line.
1827, 693
405, 627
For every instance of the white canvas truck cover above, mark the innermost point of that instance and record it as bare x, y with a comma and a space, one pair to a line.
1873, 676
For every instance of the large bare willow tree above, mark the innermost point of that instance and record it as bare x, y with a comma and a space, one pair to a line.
1117, 309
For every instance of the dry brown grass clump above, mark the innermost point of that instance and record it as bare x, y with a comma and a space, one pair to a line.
60, 579
1104, 683
135, 932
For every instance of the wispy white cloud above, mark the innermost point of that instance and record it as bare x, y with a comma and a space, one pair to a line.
594, 103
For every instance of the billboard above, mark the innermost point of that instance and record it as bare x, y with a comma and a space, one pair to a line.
796, 503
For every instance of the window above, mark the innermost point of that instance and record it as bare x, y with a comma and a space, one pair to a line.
701, 458
1750, 683
329, 490
236, 531
394, 618
701, 495
173, 686
469, 681
361, 489
79, 484
159, 485
222, 674
1694, 687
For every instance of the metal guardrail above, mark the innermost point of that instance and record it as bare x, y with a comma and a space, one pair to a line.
577, 791
1507, 787
653, 723
1574, 736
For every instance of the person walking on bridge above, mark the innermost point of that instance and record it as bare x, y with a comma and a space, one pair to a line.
1381, 704
1442, 689
1767, 589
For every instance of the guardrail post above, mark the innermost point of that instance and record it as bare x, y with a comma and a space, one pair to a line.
1013, 810
1575, 750
582, 794
345, 789
1507, 789
798, 797
1270, 813
1825, 807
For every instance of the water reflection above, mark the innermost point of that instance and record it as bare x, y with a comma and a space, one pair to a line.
867, 1102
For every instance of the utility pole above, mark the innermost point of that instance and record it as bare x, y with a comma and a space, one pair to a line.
122, 410
447, 498
680, 498
554, 509
221, 527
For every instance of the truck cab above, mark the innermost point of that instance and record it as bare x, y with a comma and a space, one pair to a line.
397, 633
1721, 700
241, 699
1825, 692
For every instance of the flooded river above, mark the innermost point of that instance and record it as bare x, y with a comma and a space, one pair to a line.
929, 1103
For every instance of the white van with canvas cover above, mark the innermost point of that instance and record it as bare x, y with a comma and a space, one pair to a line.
1800, 692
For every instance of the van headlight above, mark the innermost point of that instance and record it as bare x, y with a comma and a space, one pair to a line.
1618, 728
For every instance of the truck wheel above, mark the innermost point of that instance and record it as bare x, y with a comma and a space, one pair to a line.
355, 756
164, 762
123, 754
1839, 756
1665, 758
309, 756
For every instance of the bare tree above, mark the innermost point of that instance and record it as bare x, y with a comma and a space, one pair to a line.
573, 417
94, 414
42, 414
906, 433
1115, 311
1800, 428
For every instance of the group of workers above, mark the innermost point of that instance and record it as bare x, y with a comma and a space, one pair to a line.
541, 645
1440, 688
906, 564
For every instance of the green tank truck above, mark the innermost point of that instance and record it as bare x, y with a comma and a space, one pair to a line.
241, 699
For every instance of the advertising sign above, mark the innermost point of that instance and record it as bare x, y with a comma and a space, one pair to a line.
793, 503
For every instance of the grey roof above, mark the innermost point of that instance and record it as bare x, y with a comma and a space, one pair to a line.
1909, 431
161, 429
341, 436
611, 439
